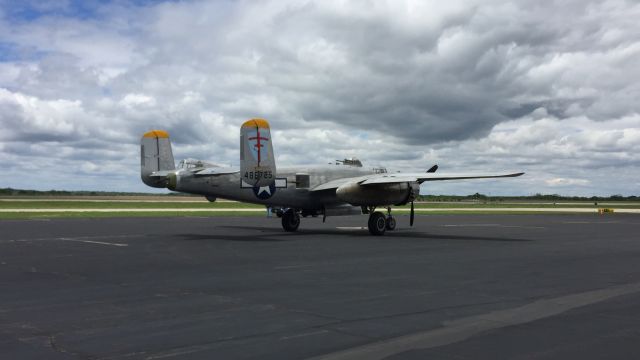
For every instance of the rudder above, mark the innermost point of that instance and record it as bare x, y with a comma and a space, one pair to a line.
257, 161
155, 155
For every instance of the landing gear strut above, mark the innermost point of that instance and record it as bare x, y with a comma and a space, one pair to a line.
290, 220
391, 221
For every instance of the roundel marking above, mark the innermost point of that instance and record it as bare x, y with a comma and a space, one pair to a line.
264, 192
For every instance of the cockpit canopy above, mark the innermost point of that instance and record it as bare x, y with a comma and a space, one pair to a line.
350, 162
357, 163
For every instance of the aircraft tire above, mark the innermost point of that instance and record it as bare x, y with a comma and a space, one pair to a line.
290, 220
377, 223
391, 223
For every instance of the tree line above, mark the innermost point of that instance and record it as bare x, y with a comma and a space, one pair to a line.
535, 197
473, 197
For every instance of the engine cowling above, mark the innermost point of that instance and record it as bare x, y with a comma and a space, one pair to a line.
378, 194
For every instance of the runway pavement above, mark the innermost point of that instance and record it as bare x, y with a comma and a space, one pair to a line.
255, 210
547, 286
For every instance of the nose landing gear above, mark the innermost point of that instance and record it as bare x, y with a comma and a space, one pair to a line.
391, 223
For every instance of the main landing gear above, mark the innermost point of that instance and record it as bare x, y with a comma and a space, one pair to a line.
290, 220
379, 223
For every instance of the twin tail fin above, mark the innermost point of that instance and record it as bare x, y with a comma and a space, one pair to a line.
257, 161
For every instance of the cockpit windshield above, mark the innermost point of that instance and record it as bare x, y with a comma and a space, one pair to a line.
357, 163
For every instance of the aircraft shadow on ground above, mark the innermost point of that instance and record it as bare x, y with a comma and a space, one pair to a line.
277, 234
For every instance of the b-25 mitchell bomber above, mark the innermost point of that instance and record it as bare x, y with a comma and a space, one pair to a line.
334, 190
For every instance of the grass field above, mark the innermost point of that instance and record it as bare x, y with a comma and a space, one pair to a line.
47, 207
90, 214
533, 205
115, 204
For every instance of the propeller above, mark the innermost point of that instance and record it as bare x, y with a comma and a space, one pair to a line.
412, 215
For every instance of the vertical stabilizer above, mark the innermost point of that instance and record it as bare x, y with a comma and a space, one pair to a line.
257, 161
155, 155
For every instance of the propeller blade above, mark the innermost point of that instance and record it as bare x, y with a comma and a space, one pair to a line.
412, 215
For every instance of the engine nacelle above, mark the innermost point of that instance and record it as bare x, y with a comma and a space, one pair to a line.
378, 194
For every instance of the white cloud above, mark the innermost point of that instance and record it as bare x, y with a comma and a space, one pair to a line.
137, 100
481, 85
566, 182
27, 116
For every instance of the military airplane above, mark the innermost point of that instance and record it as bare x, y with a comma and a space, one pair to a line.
342, 189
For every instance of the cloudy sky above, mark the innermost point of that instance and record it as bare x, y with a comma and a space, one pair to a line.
551, 88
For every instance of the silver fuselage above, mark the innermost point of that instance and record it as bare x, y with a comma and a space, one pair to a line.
227, 186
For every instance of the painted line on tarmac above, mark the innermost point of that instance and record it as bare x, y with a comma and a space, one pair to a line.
525, 209
82, 239
134, 210
465, 328
171, 201
494, 225
93, 242
320, 332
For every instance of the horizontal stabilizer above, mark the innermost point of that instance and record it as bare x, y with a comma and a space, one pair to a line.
215, 171
161, 174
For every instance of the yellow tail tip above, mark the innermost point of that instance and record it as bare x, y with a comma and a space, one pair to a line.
156, 134
262, 123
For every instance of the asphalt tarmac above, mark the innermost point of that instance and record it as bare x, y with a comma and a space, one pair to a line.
452, 287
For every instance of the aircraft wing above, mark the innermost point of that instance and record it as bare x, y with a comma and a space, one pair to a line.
391, 178
334, 184
422, 177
